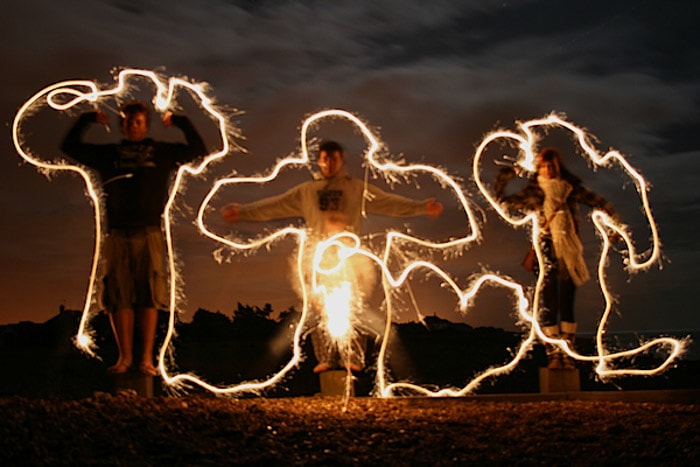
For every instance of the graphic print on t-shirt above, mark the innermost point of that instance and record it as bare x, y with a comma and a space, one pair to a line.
329, 200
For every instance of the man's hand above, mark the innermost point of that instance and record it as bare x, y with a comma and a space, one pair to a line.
433, 208
167, 119
101, 118
231, 212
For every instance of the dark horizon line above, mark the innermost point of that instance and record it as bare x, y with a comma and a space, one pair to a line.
676, 332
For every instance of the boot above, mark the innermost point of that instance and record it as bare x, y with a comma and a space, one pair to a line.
554, 357
569, 335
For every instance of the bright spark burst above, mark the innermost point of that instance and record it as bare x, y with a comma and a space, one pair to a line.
345, 244
337, 303
65, 95
332, 285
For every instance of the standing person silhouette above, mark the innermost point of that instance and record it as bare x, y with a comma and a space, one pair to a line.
555, 194
135, 175
330, 204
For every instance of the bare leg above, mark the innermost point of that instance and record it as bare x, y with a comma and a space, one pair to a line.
123, 329
321, 344
148, 321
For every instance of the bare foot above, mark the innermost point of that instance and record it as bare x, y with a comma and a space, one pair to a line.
118, 368
321, 367
148, 369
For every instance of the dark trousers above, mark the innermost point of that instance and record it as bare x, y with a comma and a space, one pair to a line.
557, 295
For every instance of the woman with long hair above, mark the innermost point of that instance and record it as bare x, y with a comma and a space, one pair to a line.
554, 194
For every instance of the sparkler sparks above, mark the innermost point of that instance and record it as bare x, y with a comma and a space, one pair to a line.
66, 95
331, 283
338, 309
332, 279
635, 261
345, 245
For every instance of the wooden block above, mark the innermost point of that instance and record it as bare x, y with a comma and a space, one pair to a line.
336, 383
135, 381
559, 380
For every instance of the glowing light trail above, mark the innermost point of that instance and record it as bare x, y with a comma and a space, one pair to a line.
635, 261
345, 245
65, 95
350, 243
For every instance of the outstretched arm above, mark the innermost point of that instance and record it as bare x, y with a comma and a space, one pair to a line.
595, 201
282, 206
390, 204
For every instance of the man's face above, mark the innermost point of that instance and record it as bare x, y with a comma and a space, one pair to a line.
135, 127
330, 163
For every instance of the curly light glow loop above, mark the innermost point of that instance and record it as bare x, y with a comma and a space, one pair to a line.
391, 171
348, 244
79, 91
635, 261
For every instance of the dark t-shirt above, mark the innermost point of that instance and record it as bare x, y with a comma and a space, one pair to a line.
135, 175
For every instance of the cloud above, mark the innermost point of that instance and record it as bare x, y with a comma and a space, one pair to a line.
434, 76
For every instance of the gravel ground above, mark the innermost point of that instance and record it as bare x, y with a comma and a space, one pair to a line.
125, 429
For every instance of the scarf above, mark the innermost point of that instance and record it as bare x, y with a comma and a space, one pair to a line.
567, 245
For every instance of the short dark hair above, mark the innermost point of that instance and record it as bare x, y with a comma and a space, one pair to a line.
130, 108
330, 147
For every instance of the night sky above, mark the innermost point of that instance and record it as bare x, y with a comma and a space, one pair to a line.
431, 78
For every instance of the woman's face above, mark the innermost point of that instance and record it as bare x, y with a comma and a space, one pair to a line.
547, 169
